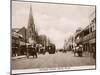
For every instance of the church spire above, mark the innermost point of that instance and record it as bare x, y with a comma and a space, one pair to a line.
31, 20
30, 13
31, 26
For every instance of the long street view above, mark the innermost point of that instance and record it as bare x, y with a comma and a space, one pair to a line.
52, 35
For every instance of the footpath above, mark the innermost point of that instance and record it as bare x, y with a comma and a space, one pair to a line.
18, 57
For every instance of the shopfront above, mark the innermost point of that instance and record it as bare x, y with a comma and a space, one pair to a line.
92, 43
89, 42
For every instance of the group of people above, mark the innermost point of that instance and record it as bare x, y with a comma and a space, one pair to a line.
78, 50
33, 50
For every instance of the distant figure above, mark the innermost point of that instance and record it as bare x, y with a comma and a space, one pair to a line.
94, 53
37, 48
40, 48
34, 51
78, 50
43, 48
75, 50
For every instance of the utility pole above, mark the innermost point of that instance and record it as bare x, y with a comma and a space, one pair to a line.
26, 49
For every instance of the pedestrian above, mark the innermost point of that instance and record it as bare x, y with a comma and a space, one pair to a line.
76, 50
80, 50
43, 49
34, 51
94, 53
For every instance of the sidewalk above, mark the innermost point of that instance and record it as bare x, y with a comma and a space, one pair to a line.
18, 57
88, 54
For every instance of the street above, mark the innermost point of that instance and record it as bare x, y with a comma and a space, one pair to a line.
52, 60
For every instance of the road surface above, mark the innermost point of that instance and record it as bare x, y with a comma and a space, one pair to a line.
52, 60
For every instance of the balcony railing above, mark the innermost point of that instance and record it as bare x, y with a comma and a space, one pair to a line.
87, 37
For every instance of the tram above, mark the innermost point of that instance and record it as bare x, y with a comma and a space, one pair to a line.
51, 49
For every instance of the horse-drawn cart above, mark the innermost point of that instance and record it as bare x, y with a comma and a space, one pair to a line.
31, 51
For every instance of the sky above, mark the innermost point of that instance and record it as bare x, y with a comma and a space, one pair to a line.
57, 21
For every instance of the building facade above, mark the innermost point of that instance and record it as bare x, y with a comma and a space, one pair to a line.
17, 43
24, 36
87, 37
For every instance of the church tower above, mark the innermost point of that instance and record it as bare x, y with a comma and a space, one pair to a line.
31, 28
